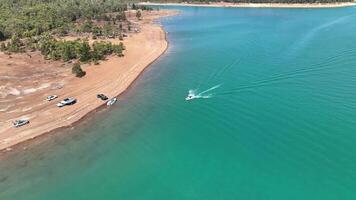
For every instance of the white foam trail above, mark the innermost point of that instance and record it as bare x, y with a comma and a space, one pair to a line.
193, 95
206, 96
210, 89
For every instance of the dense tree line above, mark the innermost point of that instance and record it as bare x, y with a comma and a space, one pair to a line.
32, 25
54, 49
26, 18
108, 30
140, 7
77, 49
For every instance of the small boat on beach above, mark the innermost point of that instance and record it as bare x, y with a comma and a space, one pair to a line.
111, 102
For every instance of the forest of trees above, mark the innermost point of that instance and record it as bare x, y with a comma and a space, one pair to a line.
32, 25
54, 49
26, 18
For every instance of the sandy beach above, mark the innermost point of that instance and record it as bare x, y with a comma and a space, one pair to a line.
258, 5
27, 81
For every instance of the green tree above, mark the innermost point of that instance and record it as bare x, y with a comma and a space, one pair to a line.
47, 44
67, 50
84, 51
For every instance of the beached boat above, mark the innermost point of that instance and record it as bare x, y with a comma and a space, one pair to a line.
111, 102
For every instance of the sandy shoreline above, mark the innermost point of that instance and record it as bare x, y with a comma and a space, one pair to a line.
111, 78
258, 5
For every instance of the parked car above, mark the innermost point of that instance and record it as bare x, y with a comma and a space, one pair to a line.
20, 122
67, 101
102, 97
51, 97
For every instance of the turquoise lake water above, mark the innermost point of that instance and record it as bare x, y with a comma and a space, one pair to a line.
280, 126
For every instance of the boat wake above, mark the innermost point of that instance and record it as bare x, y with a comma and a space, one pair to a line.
195, 94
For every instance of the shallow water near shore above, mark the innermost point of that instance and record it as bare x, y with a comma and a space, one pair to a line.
280, 126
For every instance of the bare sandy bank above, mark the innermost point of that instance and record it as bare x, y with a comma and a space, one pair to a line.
24, 96
259, 5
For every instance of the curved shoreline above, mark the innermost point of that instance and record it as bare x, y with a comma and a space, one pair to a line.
75, 114
257, 5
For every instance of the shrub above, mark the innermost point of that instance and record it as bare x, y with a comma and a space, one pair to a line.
2, 36
86, 27
2, 47
77, 70
109, 30
138, 14
117, 49
14, 45
96, 31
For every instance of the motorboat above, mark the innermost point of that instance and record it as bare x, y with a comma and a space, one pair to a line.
111, 102
189, 97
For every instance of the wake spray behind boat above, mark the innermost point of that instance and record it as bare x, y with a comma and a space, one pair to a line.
201, 95
191, 95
